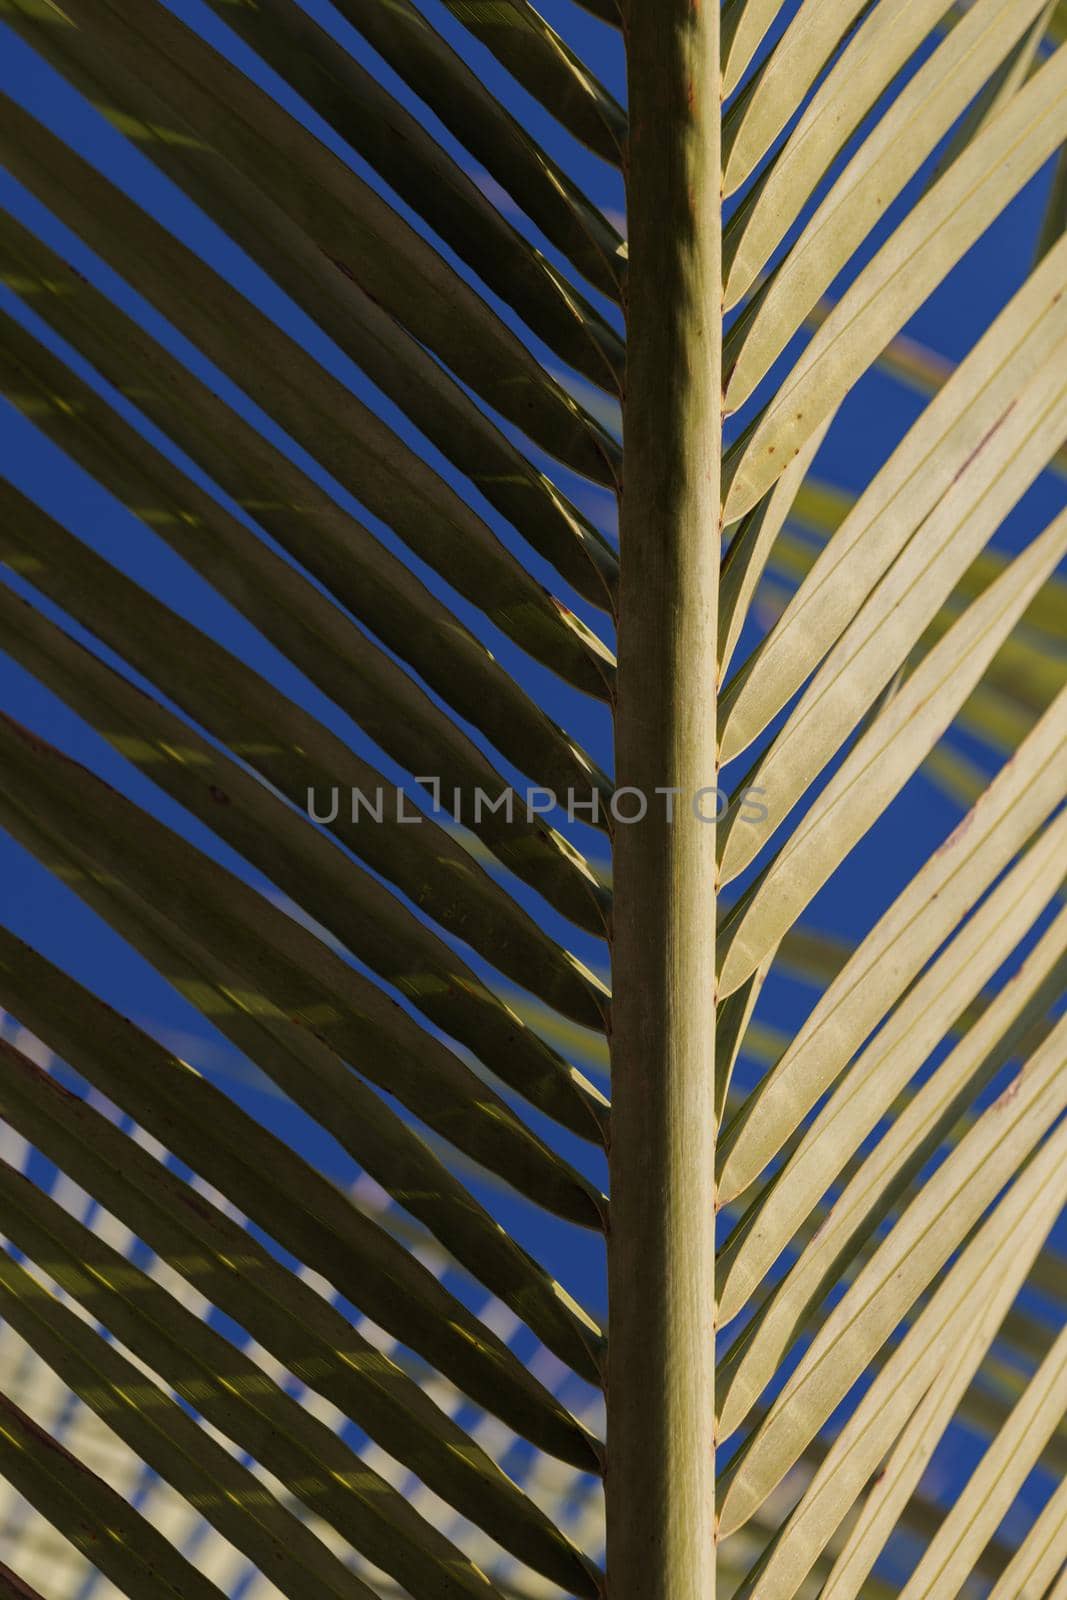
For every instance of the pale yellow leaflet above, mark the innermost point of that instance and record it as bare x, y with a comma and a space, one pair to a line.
934, 1224
911, 127
961, 421
996, 1481
906, 270
982, 1284
932, 1114
1031, 1571
870, 1086
766, 104
894, 952
748, 553
881, 762
1026, 1577
895, 617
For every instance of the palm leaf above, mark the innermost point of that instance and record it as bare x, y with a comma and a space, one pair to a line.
882, 1177
322, 325
981, 1283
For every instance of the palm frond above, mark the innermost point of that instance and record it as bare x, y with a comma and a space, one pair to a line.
337, 361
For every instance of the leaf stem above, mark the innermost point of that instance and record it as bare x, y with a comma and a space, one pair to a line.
660, 1478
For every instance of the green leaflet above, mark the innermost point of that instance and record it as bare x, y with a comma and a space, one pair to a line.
321, 232
300, 1328
733, 1024
300, 757
874, 976
881, 761
992, 1031
364, 577
1021, 681
353, 264
1054, 224
534, 53
171, 1443
921, 1516
744, 23
905, 1465
917, 367
1006, 81
1037, 641
139, 1560
919, 1519
397, 145
751, 548
316, 1222
249, 955
316, 409
907, 268
330, 891
453, 91
243, 810
231, 1392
